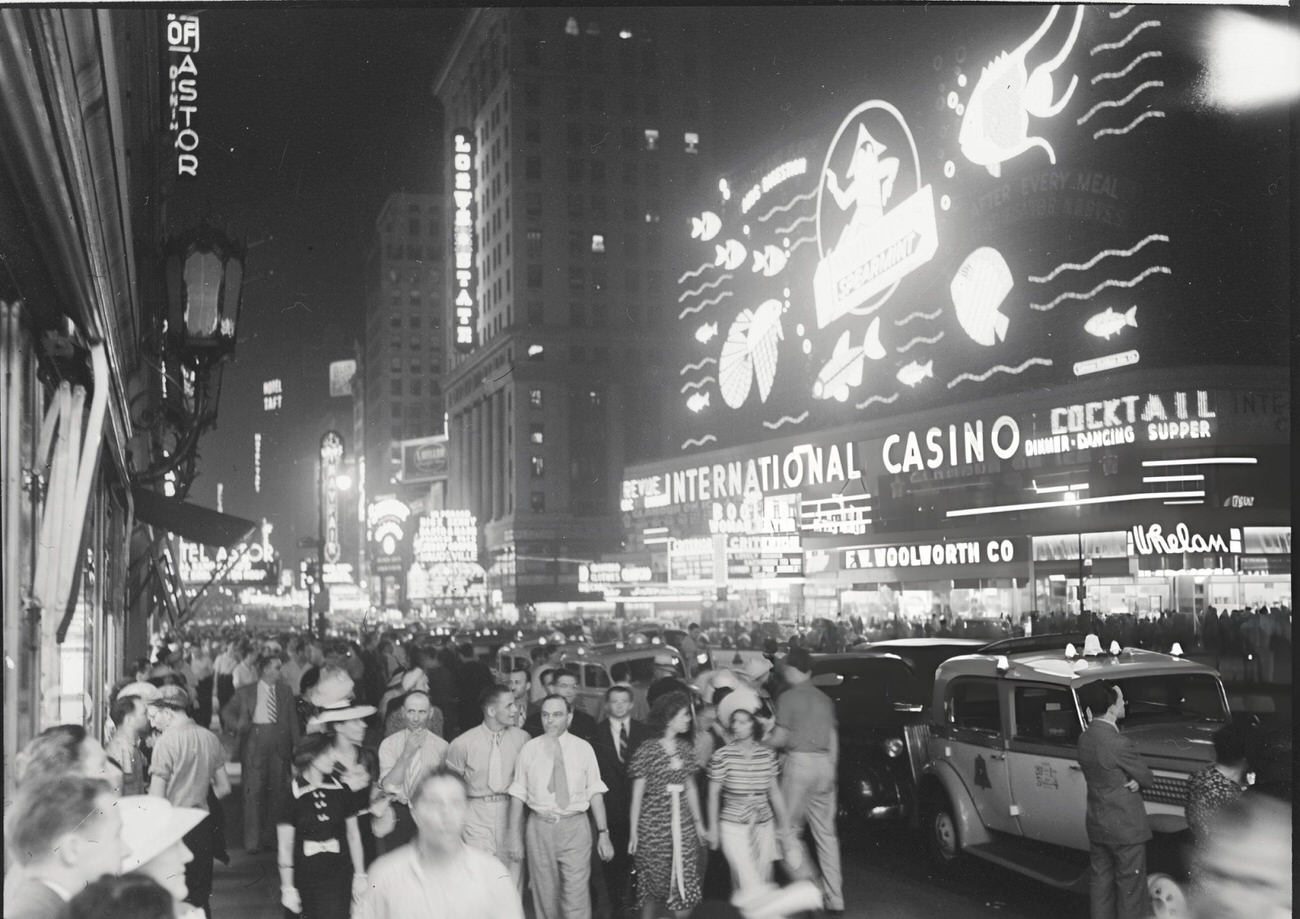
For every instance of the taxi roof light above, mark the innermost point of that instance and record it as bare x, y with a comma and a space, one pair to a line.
1070, 652
1114, 648
1002, 664
1177, 649
1091, 646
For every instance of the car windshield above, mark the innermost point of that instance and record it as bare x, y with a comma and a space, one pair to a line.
1165, 698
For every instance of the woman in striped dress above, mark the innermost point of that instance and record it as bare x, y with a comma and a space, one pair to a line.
746, 810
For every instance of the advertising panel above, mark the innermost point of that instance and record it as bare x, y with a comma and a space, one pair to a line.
423, 460
1023, 202
464, 288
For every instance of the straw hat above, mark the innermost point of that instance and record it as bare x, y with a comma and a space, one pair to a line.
743, 699
333, 696
151, 825
146, 691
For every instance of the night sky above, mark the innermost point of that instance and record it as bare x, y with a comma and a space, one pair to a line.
311, 117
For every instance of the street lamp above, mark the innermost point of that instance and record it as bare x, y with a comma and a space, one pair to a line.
204, 273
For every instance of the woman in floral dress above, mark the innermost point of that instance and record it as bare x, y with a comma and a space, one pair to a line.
666, 823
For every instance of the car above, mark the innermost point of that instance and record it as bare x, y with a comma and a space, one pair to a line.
879, 693
636, 664
1001, 780
531, 653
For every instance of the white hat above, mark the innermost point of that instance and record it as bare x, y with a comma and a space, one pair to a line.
333, 696
151, 825
146, 691
742, 699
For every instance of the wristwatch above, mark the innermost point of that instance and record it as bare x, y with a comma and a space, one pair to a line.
600, 830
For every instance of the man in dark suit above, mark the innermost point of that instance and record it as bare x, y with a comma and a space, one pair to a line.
266, 723
582, 725
1116, 821
616, 738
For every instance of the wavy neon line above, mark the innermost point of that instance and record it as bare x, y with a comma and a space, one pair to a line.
1071, 295
703, 303
920, 340
707, 438
1124, 12
1072, 266
1000, 368
1115, 75
691, 368
1116, 45
703, 287
787, 419
781, 231
785, 207
1130, 126
1119, 103
696, 273
800, 241
884, 400
697, 384
918, 315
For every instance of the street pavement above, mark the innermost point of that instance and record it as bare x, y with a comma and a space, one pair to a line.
886, 877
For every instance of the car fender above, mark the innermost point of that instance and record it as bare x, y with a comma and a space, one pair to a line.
940, 775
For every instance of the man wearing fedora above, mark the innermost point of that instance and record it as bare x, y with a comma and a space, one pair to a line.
266, 726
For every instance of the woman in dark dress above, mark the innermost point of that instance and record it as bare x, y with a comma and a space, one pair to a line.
667, 828
320, 854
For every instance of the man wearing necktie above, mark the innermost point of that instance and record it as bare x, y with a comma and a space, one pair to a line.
485, 756
558, 780
404, 758
616, 739
266, 725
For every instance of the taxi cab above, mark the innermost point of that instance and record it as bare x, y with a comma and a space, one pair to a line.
635, 663
1001, 780
531, 652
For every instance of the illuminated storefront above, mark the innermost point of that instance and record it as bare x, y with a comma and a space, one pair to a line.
1160, 490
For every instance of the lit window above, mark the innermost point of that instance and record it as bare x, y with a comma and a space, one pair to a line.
651, 139
536, 433
692, 142
539, 466
624, 34
536, 352
571, 27
651, 217
597, 242
535, 397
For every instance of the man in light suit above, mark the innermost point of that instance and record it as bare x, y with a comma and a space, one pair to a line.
1117, 820
615, 739
266, 723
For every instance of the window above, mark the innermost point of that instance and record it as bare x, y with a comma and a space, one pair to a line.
414, 321
536, 433
533, 131
571, 27
599, 279
395, 386
396, 408
597, 242
534, 277
533, 167
595, 677
535, 397
536, 313
598, 209
575, 204
1046, 714
395, 365
576, 243
533, 245
692, 140
577, 279
651, 139
577, 313
414, 226
973, 705
395, 320
533, 204
538, 466
537, 501
417, 387
532, 95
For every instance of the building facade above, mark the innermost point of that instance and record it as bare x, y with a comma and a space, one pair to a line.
576, 138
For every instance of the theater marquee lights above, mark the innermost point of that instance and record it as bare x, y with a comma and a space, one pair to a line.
465, 304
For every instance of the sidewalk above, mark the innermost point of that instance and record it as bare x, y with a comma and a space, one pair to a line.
249, 887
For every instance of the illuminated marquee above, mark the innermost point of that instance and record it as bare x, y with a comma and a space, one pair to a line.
447, 536
1108, 422
963, 552
803, 464
183, 90
464, 303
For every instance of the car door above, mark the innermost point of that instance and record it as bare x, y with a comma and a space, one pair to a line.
976, 733
1047, 785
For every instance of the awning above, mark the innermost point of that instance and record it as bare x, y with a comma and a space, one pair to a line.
190, 521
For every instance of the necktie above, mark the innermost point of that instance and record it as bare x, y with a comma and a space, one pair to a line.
559, 778
622, 742
270, 705
494, 765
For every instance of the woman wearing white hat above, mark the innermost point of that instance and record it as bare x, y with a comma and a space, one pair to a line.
355, 766
153, 829
746, 810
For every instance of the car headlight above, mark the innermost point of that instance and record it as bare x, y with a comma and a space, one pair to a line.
866, 791
894, 747
702, 658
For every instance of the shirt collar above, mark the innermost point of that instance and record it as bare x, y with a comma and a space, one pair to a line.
63, 893
301, 788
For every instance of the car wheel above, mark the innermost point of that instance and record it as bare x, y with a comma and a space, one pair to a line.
1167, 898
940, 826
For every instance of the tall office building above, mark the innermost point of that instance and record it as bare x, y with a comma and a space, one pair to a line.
577, 141
401, 367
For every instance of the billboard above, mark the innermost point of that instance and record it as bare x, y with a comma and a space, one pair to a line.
422, 459
1042, 198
